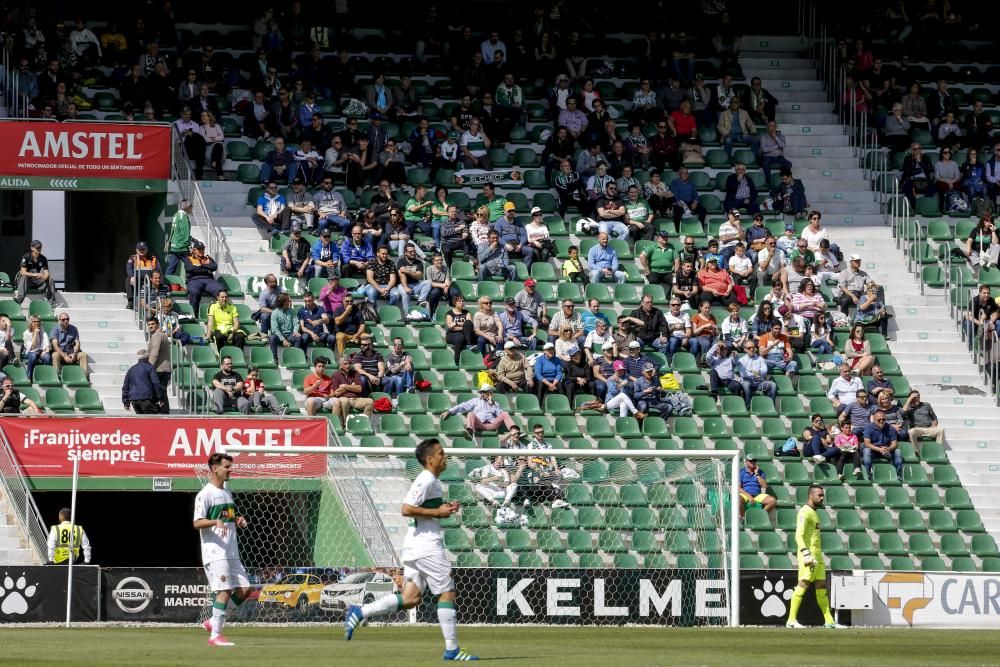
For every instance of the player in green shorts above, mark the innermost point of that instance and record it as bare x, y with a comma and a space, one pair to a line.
812, 570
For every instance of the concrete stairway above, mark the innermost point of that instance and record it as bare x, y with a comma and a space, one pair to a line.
14, 549
926, 342
226, 203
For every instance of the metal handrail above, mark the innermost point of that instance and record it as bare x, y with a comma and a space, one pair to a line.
19, 496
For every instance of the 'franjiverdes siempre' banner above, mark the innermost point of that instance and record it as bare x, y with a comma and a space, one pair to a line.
95, 156
160, 447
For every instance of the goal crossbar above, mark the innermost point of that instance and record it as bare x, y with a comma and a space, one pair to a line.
732, 455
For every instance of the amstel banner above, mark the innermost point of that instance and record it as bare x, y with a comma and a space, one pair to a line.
91, 156
160, 446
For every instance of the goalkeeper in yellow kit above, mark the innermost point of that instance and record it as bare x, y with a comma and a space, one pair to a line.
812, 570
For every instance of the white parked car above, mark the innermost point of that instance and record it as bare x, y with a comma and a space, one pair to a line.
357, 588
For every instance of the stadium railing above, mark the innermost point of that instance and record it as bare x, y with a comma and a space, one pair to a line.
22, 503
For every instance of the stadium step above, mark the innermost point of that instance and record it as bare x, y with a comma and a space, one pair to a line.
788, 117
801, 149
773, 82
813, 132
764, 45
762, 64
13, 548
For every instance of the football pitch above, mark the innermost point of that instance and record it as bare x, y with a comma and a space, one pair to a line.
541, 647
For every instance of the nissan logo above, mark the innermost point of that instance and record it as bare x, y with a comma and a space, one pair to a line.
132, 595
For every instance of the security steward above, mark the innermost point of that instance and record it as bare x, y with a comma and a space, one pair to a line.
138, 267
65, 540
141, 388
199, 270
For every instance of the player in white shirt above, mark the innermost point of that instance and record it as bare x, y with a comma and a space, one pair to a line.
216, 521
425, 563
494, 482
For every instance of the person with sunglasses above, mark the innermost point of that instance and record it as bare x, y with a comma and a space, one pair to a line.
11, 400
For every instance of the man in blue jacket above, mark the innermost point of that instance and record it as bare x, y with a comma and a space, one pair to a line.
355, 254
513, 235
685, 198
141, 389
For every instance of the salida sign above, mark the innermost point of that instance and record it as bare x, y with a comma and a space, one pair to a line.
84, 151
160, 447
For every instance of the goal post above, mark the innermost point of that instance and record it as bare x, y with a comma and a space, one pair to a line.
637, 536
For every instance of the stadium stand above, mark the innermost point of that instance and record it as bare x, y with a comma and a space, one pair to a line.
373, 94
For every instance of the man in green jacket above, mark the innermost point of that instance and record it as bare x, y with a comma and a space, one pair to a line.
179, 240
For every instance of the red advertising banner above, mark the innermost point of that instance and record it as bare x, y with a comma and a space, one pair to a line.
160, 447
85, 150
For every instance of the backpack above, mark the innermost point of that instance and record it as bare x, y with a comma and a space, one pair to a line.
981, 206
955, 202
368, 312
789, 447
679, 402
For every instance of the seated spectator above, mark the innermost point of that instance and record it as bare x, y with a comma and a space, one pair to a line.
753, 371
731, 234
881, 442
191, 135
456, 236
440, 281
922, 419
978, 127
33, 273
759, 104
917, 175
857, 350
312, 323
602, 368
35, 345
949, 134
355, 255
569, 186
821, 335
65, 341
617, 397
412, 280
572, 268
475, 147
279, 164
734, 329
663, 148
381, 278
370, 366
896, 131
686, 201
652, 328
753, 487
602, 260
317, 387
512, 322
914, 107
512, 371
808, 302
716, 285
565, 343
567, 315
577, 377
601, 335
325, 256
946, 178
763, 319
301, 205
539, 240
741, 193
494, 260
974, 177
309, 163
687, 286
790, 196
362, 165
856, 415
7, 343
660, 262
227, 389
660, 197
258, 121
871, 310
795, 327
548, 372
721, 359
266, 301
514, 237
296, 256
482, 413
635, 360
459, 332
257, 398
893, 414
531, 305
776, 348
704, 331
982, 247
853, 283
284, 327
844, 388
335, 159
223, 327
735, 126
488, 327
772, 150
331, 209
345, 393
11, 399
398, 378
272, 216
493, 482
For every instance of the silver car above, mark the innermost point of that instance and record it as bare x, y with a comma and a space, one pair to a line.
355, 589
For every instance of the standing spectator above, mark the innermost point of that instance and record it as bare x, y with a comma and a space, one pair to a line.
227, 388
923, 420
223, 326
65, 339
881, 442
141, 389
34, 274
482, 413
179, 240
345, 393
398, 378
158, 353
753, 371
138, 268
602, 260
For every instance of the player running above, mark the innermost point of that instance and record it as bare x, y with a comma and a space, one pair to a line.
216, 521
812, 570
425, 563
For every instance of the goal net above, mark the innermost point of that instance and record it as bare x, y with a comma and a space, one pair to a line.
556, 536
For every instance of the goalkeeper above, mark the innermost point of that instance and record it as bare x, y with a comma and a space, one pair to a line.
812, 570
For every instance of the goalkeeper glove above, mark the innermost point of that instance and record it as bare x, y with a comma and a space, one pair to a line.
807, 557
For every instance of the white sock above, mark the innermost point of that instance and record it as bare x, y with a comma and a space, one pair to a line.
384, 605
446, 617
511, 490
218, 620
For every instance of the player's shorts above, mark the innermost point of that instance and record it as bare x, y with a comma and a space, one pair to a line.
747, 498
225, 575
814, 572
432, 571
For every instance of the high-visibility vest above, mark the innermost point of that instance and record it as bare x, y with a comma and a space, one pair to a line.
68, 537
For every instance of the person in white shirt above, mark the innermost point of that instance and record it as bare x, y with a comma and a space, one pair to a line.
425, 562
815, 232
601, 335
730, 234
492, 482
741, 266
194, 141
844, 388
85, 42
216, 521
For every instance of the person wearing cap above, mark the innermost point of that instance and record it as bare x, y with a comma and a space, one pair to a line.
635, 360
514, 236
716, 285
257, 398
619, 385
482, 413
531, 305
513, 323
446, 155
753, 369
512, 371
548, 372
538, 236
331, 207
33, 273
660, 261
853, 283
493, 259
731, 233
324, 256
740, 190
138, 268
647, 392
753, 487
141, 390
602, 260
686, 200
199, 270
296, 256
756, 237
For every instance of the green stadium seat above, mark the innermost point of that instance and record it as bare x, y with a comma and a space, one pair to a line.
486, 540
897, 498
499, 559
530, 559
58, 401
46, 376
945, 476
969, 521
933, 564
87, 400
751, 561
890, 544
957, 498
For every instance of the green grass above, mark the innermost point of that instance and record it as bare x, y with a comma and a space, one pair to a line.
541, 647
